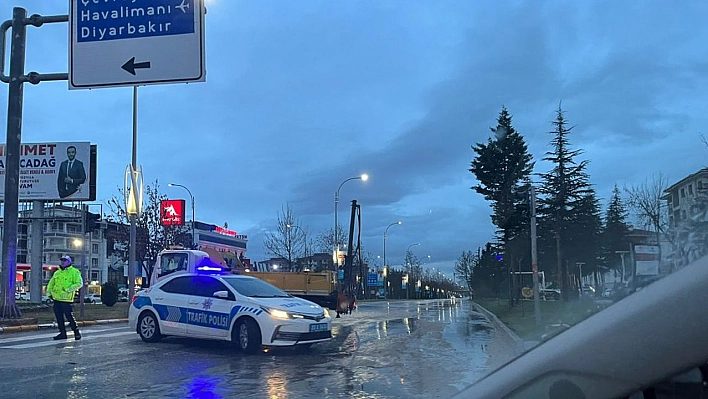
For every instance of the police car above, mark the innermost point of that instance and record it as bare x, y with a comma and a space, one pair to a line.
211, 304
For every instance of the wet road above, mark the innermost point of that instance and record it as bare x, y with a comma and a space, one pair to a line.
398, 349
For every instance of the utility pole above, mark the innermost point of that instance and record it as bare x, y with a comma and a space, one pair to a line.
622, 254
534, 258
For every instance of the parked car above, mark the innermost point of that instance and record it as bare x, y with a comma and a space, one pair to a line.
550, 293
93, 298
606, 293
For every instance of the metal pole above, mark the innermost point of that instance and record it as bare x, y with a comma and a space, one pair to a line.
385, 266
133, 226
12, 162
37, 251
194, 239
534, 259
84, 244
621, 254
335, 255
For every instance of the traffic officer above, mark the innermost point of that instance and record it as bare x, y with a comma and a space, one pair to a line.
61, 288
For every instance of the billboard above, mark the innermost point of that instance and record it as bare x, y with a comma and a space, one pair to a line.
646, 260
172, 212
59, 171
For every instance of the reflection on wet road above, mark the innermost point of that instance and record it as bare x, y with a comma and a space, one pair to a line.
406, 349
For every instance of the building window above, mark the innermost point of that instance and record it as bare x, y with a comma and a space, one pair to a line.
21, 258
94, 248
94, 263
699, 185
690, 189
58, 226
94, 276
683, 193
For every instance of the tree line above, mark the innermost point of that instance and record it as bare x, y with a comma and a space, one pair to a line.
571, 227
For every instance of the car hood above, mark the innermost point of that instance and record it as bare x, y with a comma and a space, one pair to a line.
291, 305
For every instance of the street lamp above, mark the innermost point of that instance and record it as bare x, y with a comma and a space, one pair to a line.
192, 198
335, 258
384, 245
408, 267
289, 226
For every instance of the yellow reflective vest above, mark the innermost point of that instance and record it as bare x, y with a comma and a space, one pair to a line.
64, 283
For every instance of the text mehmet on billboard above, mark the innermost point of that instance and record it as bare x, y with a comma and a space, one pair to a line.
52, 171
99, 20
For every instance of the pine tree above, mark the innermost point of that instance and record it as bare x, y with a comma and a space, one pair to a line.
565, 190
503, 167
615, 231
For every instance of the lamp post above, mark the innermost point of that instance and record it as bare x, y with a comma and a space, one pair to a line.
289, 226
384, 246
192, 198
408, 268
335, 256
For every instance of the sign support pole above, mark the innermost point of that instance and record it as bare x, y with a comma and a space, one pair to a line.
12, 164
133, 216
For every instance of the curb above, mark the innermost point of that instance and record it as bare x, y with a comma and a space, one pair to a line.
494, 320
35, 327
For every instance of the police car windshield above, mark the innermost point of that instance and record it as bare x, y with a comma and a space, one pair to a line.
255, 288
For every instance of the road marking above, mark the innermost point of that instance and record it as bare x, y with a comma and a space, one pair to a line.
49, 335
50, 343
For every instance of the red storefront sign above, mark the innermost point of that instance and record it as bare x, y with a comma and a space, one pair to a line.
172, 212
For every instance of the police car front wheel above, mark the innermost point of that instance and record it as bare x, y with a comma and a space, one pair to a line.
247, 336
148, 327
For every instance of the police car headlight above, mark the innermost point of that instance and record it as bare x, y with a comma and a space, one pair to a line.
277, 313
326, 312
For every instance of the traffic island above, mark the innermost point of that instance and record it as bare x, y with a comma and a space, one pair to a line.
21, 321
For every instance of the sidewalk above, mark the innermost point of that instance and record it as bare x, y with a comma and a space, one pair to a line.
38, 326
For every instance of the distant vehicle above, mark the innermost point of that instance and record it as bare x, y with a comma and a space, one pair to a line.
606, 293
550, 293
47, 300
122, 298
93, 299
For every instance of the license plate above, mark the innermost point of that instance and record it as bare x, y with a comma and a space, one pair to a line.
319, 327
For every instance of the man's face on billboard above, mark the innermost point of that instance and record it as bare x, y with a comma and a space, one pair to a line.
71, 153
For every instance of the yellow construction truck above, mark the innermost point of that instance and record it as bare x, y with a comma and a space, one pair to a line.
317, 287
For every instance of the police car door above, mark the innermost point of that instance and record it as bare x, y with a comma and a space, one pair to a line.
208, 315
171, 300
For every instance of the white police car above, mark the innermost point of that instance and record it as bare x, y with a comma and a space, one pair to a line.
248, 311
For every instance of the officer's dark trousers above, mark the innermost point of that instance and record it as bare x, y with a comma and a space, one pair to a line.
61, 310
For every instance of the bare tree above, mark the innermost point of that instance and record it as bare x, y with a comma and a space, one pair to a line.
464, 267
285, 241
646, 203
152, 237
324, 242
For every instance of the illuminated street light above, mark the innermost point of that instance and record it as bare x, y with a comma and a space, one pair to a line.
384, 245
335, 258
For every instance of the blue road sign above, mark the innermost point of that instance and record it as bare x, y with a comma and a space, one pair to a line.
129, 42
373, 279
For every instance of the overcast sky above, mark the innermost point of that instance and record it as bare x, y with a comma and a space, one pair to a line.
301, 95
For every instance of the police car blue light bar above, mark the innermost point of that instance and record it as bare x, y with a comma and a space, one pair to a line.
210, 269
